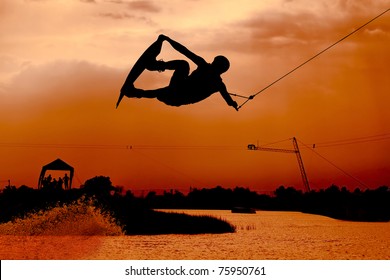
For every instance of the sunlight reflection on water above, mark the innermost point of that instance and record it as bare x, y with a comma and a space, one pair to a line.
264, 235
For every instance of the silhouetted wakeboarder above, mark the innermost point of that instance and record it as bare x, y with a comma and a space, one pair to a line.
184, 88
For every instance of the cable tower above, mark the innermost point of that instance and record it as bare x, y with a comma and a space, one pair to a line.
294, 151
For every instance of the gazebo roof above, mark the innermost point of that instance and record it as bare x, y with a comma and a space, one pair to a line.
57, 164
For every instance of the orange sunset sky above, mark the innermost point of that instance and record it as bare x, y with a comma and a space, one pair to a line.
63, 62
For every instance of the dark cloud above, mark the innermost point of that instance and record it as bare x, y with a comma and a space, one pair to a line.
302, 29
124, 16
145, 6
135, 7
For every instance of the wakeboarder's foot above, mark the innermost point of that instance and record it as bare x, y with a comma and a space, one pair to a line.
132, 92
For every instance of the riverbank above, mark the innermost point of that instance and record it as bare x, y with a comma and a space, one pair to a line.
57, 212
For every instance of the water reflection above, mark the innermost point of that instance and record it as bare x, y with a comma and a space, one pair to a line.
264, 235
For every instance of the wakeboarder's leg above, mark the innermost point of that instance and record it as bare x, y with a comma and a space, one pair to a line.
140, 93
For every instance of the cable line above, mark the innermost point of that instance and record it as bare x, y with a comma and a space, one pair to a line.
350, 141
356, 140
334, 165
307, 61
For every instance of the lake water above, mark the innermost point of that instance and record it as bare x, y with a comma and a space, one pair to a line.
264, 235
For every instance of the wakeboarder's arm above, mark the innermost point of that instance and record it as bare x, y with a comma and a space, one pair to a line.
184, 51
225, 94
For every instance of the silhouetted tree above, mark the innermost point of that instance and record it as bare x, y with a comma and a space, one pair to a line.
288, 198
99, 185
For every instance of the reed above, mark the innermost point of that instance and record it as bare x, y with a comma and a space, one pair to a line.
156, 222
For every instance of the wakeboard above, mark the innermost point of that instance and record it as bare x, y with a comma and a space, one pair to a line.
145, 60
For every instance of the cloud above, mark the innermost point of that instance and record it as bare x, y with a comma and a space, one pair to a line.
53, 83
124, 16
117, 15
88, 1
281, 37
277, 29
145, 6
8, 63
136, 8
362, 6
67, 81
115, 1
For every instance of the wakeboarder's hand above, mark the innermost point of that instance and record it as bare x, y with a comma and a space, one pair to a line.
235, 105
162, 37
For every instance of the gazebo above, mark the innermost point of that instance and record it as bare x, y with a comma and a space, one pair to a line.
58, 164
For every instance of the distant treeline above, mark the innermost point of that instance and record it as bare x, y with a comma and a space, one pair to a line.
335, 202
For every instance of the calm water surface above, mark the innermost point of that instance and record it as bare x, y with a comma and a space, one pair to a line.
264, 235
